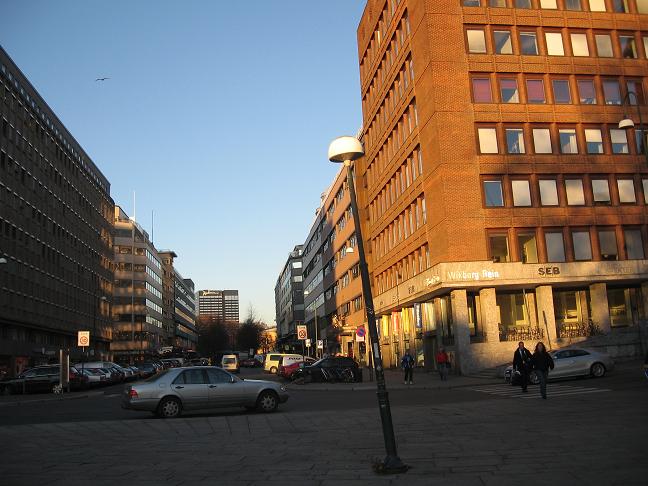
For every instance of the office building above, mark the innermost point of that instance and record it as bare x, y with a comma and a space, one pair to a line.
220, 305
55, 233
503, 202
289, 301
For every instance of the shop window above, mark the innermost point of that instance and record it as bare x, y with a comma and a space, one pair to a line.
608, 245
521, 193
513, 311
601, 191
542, 141
619, 141
626, 191
604, 45
620, 305
575, 193
515, 141
528, 43
611, 92
527, 246
555, 246
554, 44
570, 307
487, 140
503, 44
482, 90
535, 91
579, 45
499, 248
474, 315
628, 47
594, 140
582, 245
548, 192
633, 244
586, 92
509, 90
568, 144
493, 194
561, 91
476, 41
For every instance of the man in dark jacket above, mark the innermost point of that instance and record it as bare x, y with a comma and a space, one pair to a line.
521, 363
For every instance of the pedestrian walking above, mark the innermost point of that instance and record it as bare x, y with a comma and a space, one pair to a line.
522, 364
542, 363
407, 363
443, 363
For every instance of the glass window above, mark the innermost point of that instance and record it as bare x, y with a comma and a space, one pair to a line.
554, 44
522, 3
568, 143
542, 141
218, 376
555, 247
597, 5
620, 6
535, 91
487, 140
471, 3
608, 245
528, 247
619, 141
642, 6
476, 41
503, 43
561, 91
633, 244
601, 191
635, 92
548, 4
594, 140
586, 91
482, 90
573, 5
579, 45
611, 92
626, 191
604, 45
499, 249
628, 47
515, 141
497, 3
509, 90
582, 245
548, 192
192, 377
521, 193
493, 194
575, 193
528, 43
640, 141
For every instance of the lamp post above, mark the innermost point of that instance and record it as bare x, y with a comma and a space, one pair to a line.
346, 150
627, 122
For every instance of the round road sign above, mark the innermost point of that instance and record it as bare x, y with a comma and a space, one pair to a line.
361, 332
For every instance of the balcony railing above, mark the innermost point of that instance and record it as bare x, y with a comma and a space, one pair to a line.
521, 333
578, 329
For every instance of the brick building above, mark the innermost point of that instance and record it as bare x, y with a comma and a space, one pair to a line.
502, 201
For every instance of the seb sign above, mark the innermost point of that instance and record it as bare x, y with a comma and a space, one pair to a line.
548, 271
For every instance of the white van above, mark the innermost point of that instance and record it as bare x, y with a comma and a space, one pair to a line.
230, 363
272, 360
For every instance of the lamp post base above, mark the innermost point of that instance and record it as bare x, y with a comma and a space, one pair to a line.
391, 465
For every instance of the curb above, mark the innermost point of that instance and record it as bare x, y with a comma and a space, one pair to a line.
397, 387
51, 399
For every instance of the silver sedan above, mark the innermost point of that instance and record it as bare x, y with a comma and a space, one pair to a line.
168, 393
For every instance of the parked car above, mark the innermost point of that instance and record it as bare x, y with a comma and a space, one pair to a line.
202, 387
251, 363
271, 363
42, 379
172, 363
146, 369
572, 362
230, 363
287, 371
338, 368
95, 377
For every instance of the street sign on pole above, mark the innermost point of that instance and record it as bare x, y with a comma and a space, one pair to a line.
320, 344
302, 332
83, 339
308, 343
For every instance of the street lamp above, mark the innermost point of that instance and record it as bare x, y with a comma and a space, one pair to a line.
627, 122
3, 261
345, 150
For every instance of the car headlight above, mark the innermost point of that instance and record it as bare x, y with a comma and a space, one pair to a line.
283, 388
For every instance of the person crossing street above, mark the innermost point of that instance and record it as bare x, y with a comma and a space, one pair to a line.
522, 363
407, 363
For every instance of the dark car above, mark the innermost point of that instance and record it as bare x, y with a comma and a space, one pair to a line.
42, 379
251, 363
146, 369
338, 368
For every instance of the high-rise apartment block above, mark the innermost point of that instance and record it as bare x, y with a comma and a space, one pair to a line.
55, 233
503, 202
222, 305
289, 300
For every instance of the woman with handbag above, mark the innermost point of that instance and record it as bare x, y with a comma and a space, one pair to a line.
542, 363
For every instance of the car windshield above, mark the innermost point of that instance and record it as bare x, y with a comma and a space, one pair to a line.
229, 360
156, 377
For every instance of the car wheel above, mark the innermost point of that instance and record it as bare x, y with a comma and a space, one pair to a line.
533, 378
273, 370
169, 407
267, 401
597, 370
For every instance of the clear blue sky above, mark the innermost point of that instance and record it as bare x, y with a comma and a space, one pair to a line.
218, 114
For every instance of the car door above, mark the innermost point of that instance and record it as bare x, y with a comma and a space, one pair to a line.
224, 389
192, 386
582, 362
562, 364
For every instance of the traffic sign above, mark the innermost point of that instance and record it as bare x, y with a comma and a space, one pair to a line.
308, 343
302, 332
361, 331
83, 339
320, 344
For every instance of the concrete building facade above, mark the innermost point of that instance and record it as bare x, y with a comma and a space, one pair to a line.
289, 301
222, 305
502, 202
55, 233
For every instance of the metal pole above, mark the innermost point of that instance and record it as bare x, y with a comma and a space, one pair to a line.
392, 463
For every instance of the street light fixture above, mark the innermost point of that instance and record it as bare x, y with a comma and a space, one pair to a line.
3, 261
345, 150
627, 122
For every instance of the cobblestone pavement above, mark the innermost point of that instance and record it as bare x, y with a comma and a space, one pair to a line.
582, 439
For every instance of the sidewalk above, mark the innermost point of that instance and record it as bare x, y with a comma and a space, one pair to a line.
394, 380
15, 400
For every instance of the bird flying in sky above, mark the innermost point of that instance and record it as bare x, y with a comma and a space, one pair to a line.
101, 79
